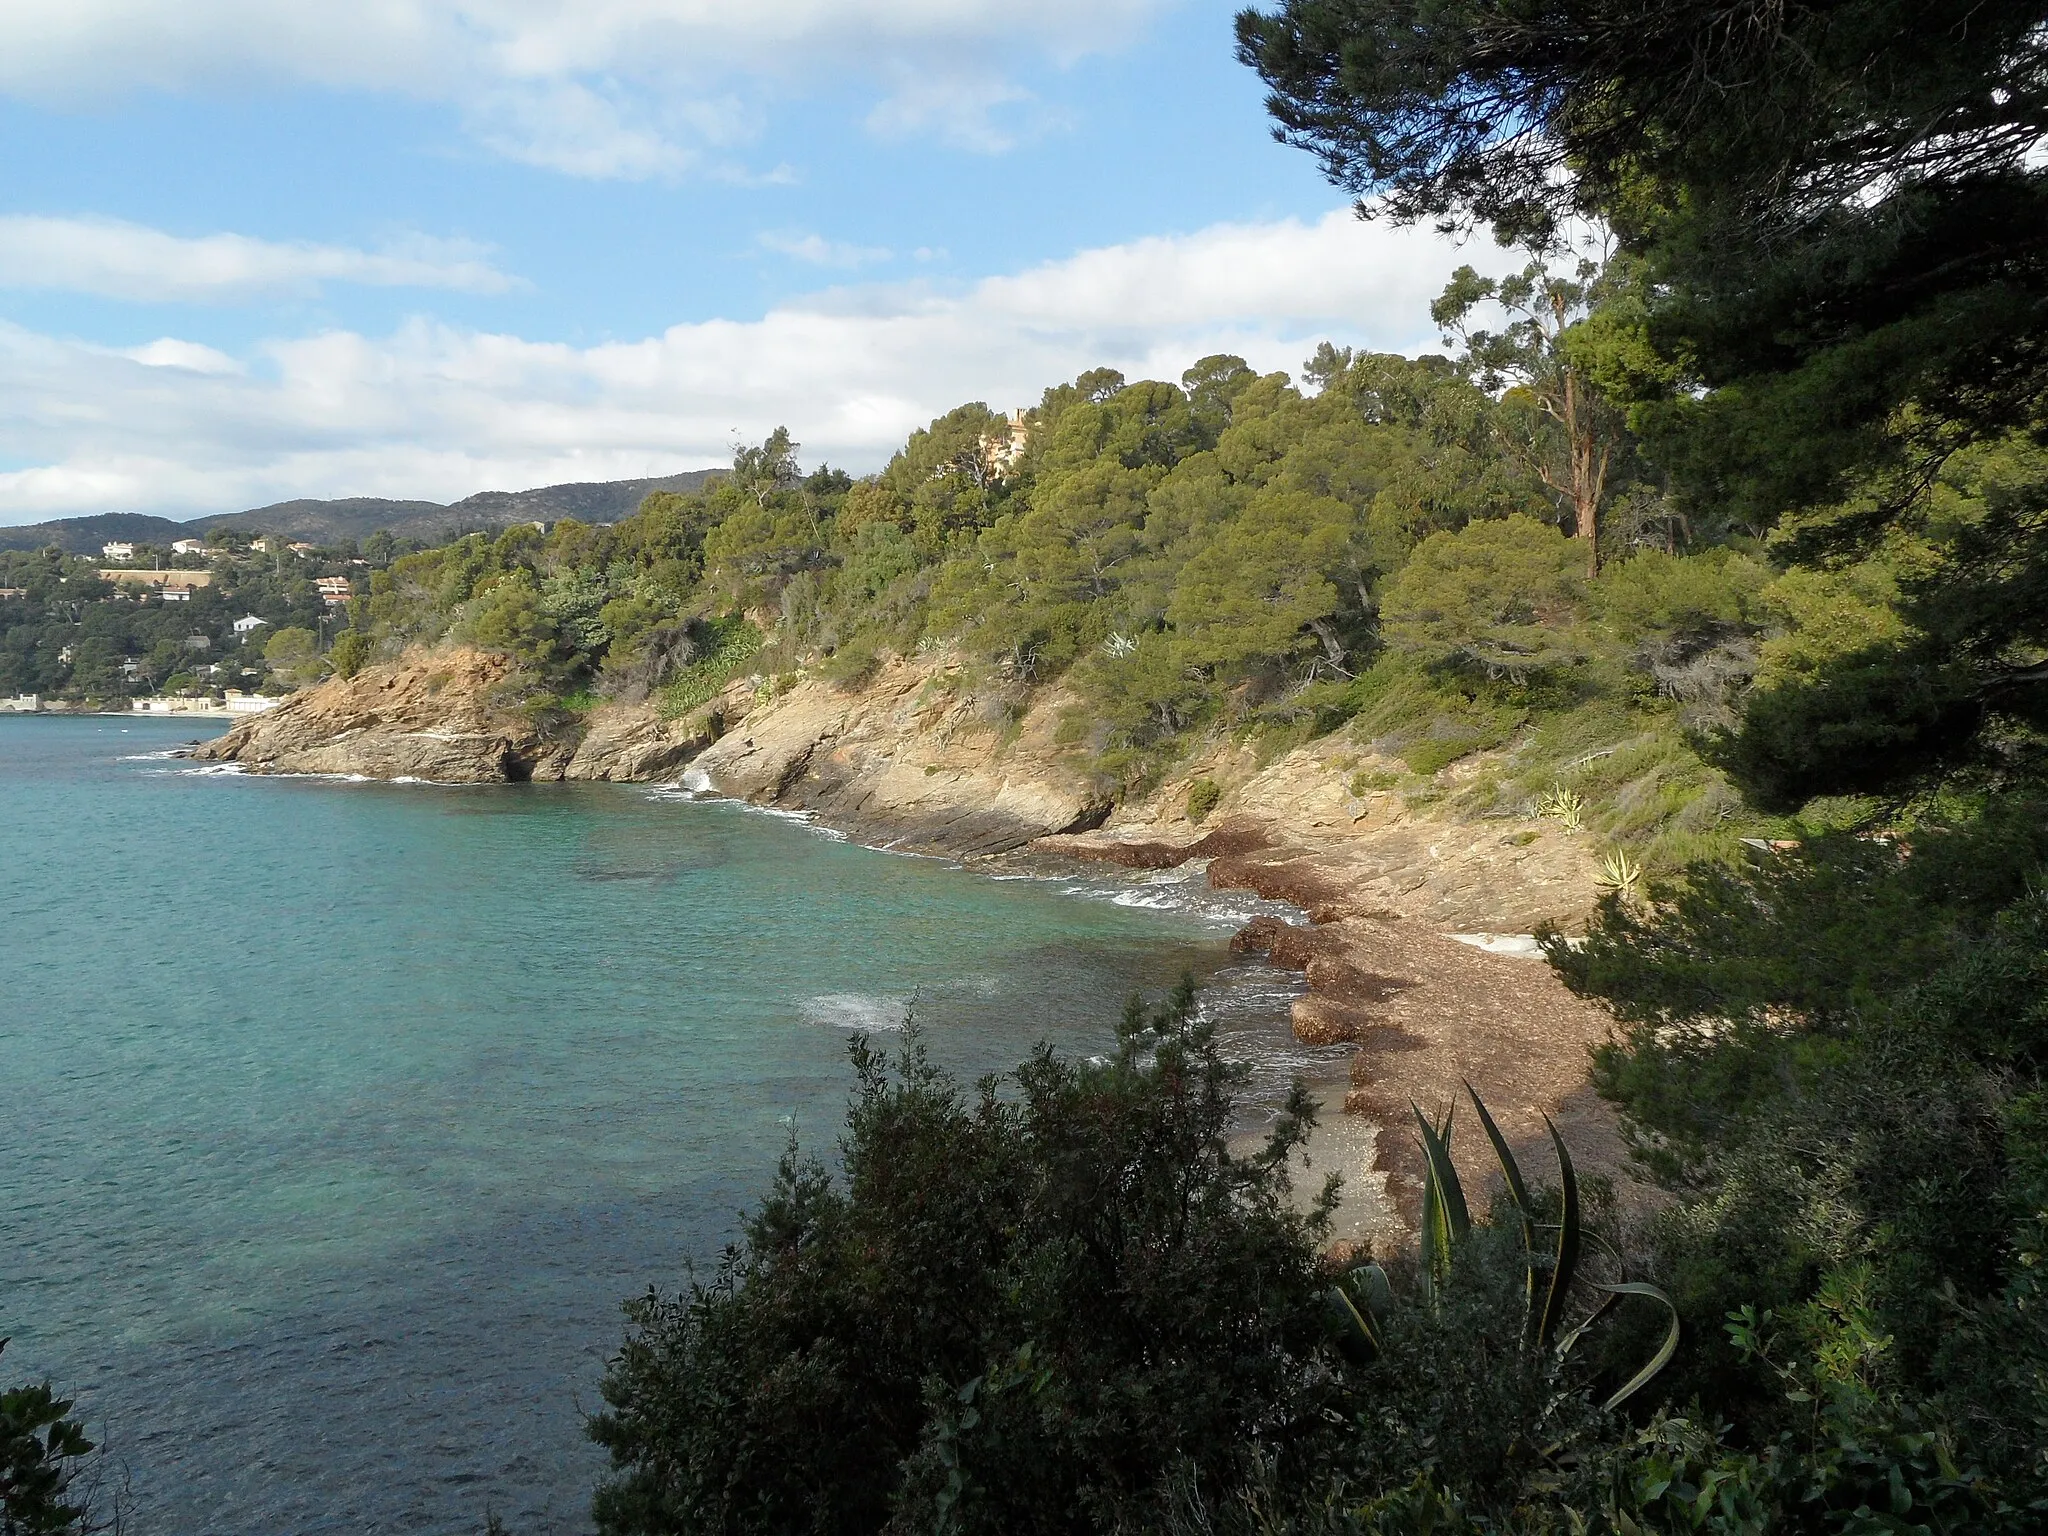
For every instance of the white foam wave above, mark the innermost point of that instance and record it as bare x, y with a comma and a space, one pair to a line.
859, 1011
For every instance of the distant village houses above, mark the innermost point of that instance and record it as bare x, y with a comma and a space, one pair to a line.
188, 546
249, 622
334, 590
117, 551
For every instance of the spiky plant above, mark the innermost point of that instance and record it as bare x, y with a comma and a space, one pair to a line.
1551, 1251
1620, 873
1565, 806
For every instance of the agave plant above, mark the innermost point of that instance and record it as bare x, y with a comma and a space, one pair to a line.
1563, 805
1552, 1251
1620, 873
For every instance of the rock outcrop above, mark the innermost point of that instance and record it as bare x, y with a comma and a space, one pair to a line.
632, 744
913, 760
432, 716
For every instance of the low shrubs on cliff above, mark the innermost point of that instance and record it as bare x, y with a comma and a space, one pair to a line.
723, 646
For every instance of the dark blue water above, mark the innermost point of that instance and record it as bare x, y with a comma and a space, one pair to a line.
337, 1119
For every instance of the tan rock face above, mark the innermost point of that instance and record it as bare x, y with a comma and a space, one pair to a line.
429, 717
628, 744
911, 760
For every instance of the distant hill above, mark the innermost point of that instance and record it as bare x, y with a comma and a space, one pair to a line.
85, 535
356, 517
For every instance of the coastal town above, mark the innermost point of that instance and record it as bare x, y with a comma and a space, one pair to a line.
217, 627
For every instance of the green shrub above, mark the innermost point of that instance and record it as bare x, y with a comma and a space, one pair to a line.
1014, 1310
724, 646
1202, 797
350, 653
852, 666
43, 1456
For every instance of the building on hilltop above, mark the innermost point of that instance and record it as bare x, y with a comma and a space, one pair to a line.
1003, 452
249, 622
117, 550
188, 546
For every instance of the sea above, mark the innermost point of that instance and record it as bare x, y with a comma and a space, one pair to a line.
338, 1119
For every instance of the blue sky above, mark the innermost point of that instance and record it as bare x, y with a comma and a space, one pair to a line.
252, 249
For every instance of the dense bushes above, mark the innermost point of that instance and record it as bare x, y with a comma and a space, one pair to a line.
1060, 1303
1025, 1309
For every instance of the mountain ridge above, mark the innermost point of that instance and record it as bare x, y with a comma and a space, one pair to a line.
354, 517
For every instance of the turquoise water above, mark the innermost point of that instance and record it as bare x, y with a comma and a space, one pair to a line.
336, 1119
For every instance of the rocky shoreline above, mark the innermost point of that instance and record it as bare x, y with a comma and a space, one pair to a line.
915, 760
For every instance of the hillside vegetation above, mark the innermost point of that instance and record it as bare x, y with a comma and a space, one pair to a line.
1377, 553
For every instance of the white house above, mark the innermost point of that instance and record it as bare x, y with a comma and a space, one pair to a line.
118, 551
188, 546
249, 622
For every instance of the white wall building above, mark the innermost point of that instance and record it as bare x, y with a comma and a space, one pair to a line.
248, 622
118, 551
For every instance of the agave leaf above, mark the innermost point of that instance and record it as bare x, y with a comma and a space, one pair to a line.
1516, 1188
1445, 1220
1566, 1344
1519, 1193
1566, 1262
1665, 1351
1360, 1319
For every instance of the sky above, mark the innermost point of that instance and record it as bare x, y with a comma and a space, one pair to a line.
258, 249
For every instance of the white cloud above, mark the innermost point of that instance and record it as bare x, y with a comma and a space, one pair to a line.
129, 261
820, 252
609, 88
434, 411
192, 356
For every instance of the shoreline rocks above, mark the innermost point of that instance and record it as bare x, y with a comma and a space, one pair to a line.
431, 717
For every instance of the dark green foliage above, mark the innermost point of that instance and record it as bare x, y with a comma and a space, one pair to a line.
1017, 1310
351, 652
1836, 1057
1203, 795
1836, 198
42, 1449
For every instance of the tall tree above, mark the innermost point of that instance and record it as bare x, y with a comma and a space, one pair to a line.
1839, 196
1566, 433
1841, 221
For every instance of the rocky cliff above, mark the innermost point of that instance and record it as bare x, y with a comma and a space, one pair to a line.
434, 716
913, 759
450, 715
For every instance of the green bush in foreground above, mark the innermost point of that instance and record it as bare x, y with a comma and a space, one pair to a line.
42, 1451
1019, 1311
1061, 1303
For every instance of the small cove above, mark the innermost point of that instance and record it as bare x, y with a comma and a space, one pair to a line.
336, 1119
